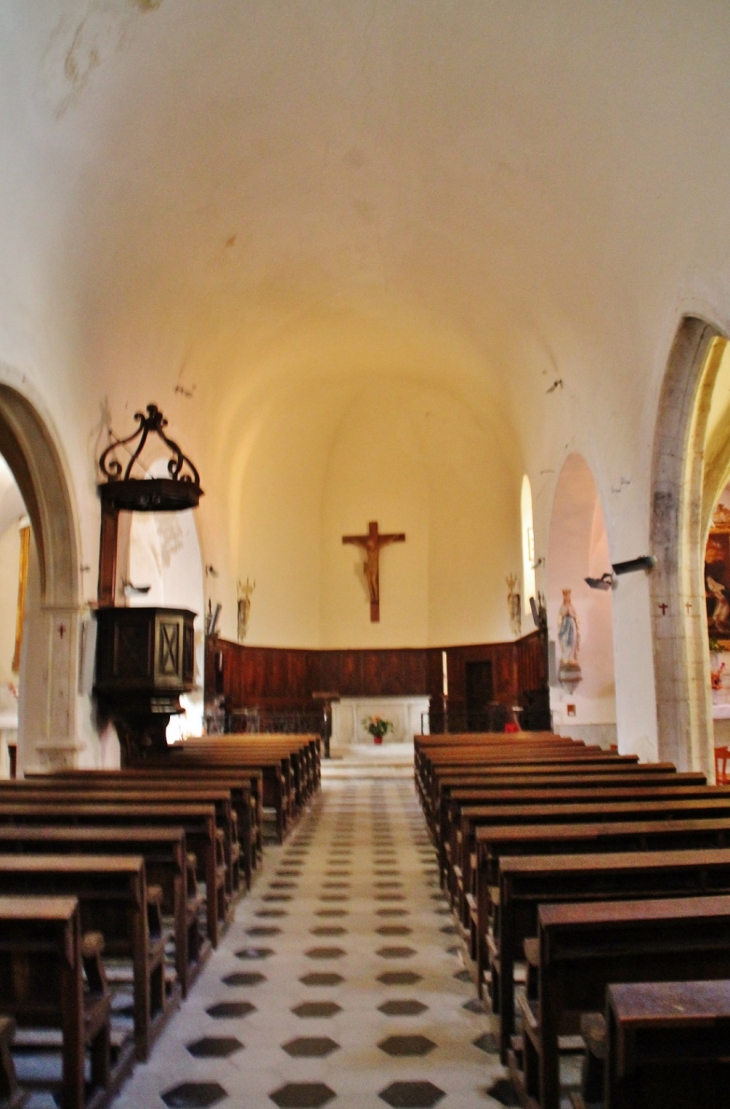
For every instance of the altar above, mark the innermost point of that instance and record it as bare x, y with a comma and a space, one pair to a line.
350, 714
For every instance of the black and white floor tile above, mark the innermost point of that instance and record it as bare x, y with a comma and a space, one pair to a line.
339, 983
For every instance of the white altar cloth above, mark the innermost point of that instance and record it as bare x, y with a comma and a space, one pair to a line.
404, 713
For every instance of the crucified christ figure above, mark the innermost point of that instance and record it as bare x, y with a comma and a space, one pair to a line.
371, 544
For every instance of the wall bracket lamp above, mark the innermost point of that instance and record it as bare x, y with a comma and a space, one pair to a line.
608, 580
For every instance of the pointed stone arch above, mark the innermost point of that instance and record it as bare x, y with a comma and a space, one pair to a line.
681, 664
49, 663
32, 455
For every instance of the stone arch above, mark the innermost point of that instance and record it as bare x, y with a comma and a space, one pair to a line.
49, 662
681, 662
577, 549
32, 455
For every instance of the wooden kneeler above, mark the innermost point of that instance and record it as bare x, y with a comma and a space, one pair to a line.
11, 1095
97, 1010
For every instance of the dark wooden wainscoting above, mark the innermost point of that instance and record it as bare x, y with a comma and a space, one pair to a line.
282, 680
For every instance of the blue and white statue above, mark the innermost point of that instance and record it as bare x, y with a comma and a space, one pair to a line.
569, 673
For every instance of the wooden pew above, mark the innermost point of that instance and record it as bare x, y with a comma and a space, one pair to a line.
197, 821
590, 811
42, 986
304, 746
71, 791
530, 881
423, 744
434, 761
459, 830
552, 777
455, 795
114, 900
278, 792
667, 1045
245, 790
512, 763
494, 843
296, 774
279, 757
546, 776
584, 947
302, 751
166, 864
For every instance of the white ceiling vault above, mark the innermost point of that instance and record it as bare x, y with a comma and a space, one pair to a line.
267, 217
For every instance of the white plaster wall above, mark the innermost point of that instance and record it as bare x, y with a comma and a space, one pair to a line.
9, 562
578, 549
12, 510
375, 472
415, 458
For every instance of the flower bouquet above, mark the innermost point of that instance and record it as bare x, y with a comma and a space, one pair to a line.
377, 727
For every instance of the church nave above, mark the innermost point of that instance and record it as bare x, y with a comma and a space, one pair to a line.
339, 982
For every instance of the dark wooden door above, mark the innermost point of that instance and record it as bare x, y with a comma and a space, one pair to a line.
479, 694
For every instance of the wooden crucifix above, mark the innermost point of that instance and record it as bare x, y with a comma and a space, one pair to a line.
371, 544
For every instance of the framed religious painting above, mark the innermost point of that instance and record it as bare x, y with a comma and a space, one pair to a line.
717, 578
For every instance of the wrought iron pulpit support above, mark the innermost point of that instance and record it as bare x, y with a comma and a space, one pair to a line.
145, 657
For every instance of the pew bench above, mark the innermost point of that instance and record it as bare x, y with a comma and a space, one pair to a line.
51, 977
541, 790
582, 948
547, 777
470, 791
197, 821
62, 791
494, 843
467, 809
529, 882
277, 789
576, 812
167, 865
459, 837
513, 764
244, 791
438, 759
667, 1045
115, 901
489, 741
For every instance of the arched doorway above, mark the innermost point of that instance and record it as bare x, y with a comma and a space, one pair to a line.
577, 549
678, 534
49, 660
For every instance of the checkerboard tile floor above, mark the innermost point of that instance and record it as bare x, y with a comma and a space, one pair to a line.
339, 983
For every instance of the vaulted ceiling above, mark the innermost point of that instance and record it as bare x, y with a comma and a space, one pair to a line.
238, 208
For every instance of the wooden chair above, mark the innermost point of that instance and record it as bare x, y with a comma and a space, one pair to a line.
722, 756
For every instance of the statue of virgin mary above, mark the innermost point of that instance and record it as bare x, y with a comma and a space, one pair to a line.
569, 673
